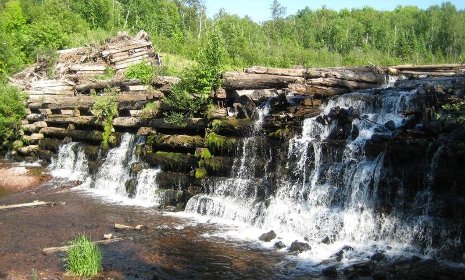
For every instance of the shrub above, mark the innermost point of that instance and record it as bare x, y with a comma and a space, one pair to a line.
143, 71
105, 109
12, 110
150, 110
84, 258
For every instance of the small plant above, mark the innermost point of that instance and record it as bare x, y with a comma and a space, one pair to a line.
108, 73
150, 110
105, 109
84, 258
143, 71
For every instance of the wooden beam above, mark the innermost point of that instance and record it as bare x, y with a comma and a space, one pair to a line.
52, 250
22, 205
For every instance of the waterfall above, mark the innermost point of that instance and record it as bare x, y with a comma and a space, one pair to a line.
115, 172
110, 180
146, 189
71, 163
236, 198
329, 188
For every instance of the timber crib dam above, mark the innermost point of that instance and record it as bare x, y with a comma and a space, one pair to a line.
59, 110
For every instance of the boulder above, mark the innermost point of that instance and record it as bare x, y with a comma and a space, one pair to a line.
244, 107
279, 245
299, 247
268, 236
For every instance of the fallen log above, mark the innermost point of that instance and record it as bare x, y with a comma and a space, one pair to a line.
132, 52
52, 250
237, 81
359, 74
139, 55
54, 132
23, 205
300, 72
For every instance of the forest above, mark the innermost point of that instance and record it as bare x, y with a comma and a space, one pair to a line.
31, 29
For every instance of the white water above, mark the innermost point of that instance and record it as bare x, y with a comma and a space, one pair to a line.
110, 180
333, 199
71, 163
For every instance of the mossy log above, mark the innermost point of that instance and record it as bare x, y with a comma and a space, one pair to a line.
34, 127
196, 125
50, 144
66, 119
231, 126
221, 145
55, 132
173, 180
92, 136
176, 142
218, 166
169, 161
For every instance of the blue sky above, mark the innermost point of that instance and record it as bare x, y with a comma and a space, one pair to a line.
259, 10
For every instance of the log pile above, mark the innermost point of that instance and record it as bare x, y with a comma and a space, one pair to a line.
125, 51
439, 70
320, 82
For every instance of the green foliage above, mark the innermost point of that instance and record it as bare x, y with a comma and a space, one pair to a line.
220, 144
200, 173
191, 95
150, 110
143, 71
84, 258
202, 153
105, 109
454, 111
12, 110
108, 73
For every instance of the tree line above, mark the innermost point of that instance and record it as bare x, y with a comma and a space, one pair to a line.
30, 29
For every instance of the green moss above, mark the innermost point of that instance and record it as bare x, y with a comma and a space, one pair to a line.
170, 156
203, 153
17, 144
213, 164
231, 126
281, 134
220, 144
200, 173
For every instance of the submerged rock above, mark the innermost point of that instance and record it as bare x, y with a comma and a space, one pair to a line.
378, 257
268, 236
299, 247
330, 271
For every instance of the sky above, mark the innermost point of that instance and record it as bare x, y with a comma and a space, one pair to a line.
259, 10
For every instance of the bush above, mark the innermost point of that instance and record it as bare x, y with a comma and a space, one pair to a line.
105, 109
12, 110
84, 258
143, 71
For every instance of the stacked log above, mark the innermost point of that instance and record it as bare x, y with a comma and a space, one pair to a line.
439, 70
44, 88
129, 51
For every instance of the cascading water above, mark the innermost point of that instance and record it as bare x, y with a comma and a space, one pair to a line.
236, 198
328, 193
111, 178
71, 163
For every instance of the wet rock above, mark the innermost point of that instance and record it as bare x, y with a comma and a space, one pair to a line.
330, 272
380, 275
362, 269
326, 240
391, 125
137, 167
279, 245
268, 236
131, 186
299, 247
244, 107
378, 257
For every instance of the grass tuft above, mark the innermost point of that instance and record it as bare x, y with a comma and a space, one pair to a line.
84, 257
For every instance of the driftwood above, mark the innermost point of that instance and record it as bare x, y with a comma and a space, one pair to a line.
23, 205
433, 70
52, 250
125, 227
